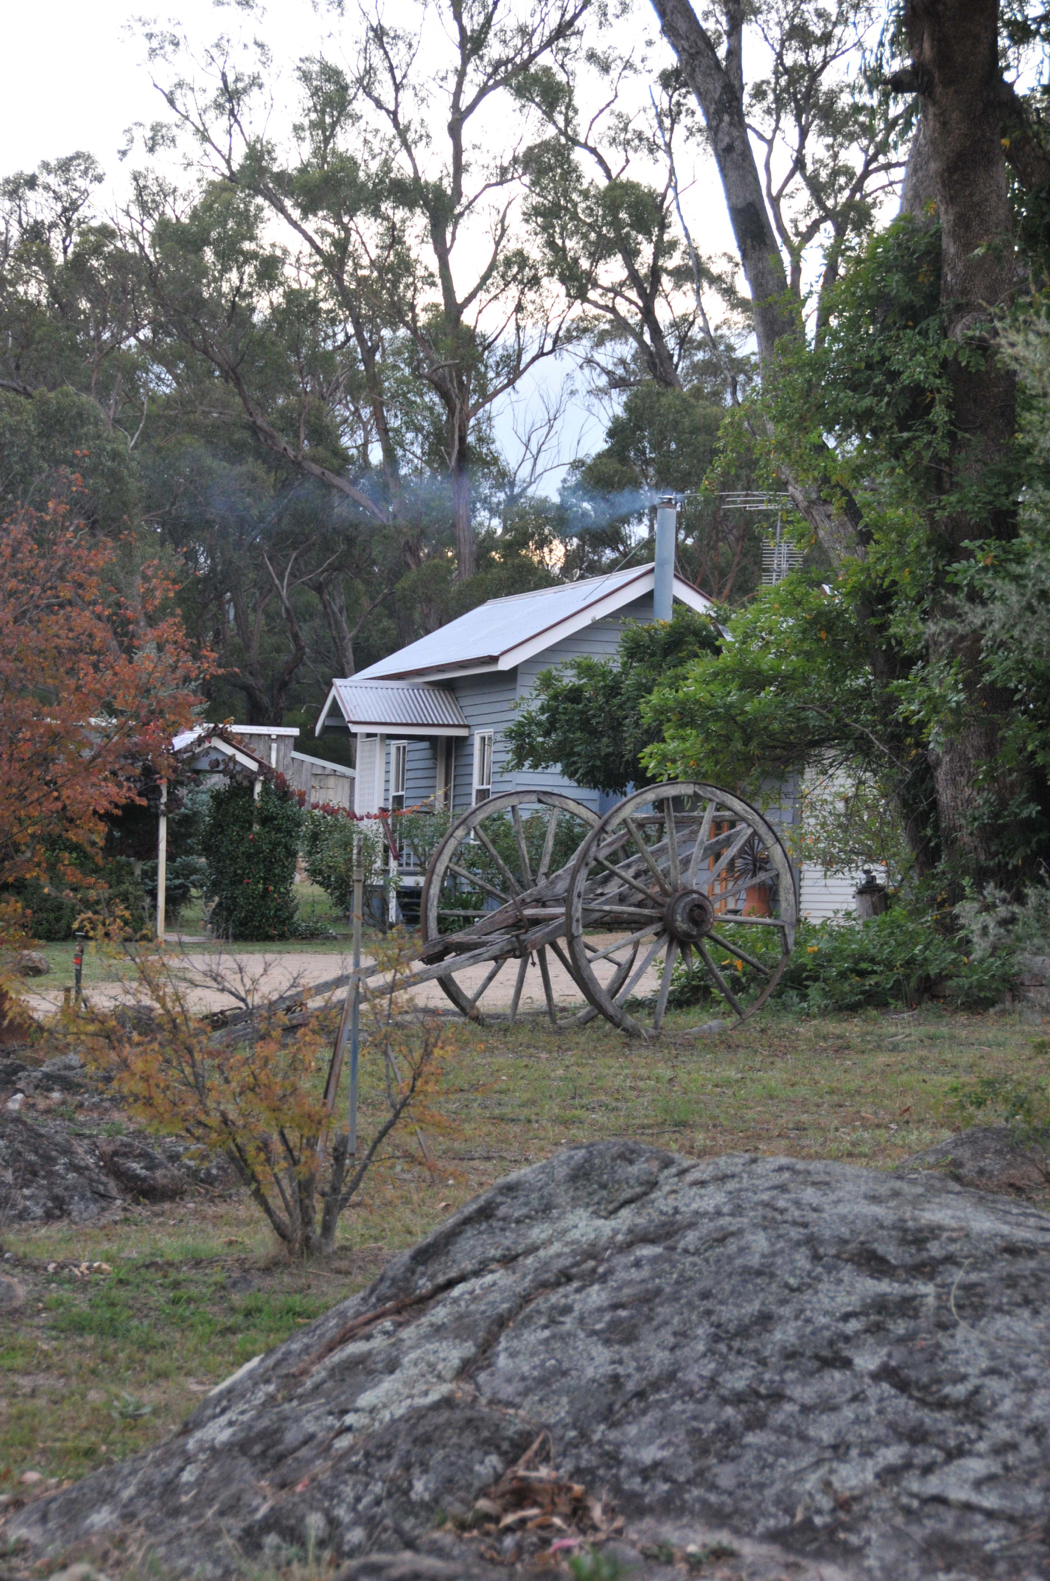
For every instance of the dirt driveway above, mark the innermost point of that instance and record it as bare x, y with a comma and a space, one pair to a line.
223, 980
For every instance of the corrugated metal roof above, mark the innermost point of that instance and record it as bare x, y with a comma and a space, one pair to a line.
396, 705
484, 634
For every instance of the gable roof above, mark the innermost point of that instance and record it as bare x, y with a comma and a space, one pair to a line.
395, 706
505, 632
198, 746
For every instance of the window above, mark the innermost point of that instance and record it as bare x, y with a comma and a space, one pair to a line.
445, 763
482, 766
398, 767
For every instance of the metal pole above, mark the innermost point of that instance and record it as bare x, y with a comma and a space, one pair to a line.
78, 968
355, 1008
162, 860
663, 570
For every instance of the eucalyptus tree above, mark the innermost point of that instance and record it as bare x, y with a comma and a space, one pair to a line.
825, 142
70, 298
602, 206
397, 202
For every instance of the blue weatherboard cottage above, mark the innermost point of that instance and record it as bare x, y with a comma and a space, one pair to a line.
430, 720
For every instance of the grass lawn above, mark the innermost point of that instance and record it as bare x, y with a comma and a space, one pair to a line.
100, 965
99, 1364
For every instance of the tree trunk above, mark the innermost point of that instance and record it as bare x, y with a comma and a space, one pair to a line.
719, 90
959, 161
333, 604
462, 522
955, 62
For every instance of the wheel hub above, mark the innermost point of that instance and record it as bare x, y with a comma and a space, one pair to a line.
689, 916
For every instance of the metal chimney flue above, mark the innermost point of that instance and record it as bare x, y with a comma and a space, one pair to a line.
666, 538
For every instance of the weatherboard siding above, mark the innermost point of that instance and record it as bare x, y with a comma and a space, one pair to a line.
487, 702
599, 640
491, 702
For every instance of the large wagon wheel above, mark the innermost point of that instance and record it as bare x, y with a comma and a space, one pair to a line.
498, 881
682, 872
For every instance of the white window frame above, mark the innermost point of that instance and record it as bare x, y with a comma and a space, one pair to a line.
482, 782
398, 774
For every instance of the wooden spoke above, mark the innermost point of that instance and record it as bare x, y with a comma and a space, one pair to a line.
548, 844
674, 866
515, 887
632, 938
476, 882
711, 877
727, 992
639, 971
758, 922
545, 973
519, 836
523, 966
636, 836
490, 977
701, 842
665, 985
625, 878
734, 949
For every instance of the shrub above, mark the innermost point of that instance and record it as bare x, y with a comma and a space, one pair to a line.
328, 852
54, 904
269, 1100
252, 847
996, 923
895, 959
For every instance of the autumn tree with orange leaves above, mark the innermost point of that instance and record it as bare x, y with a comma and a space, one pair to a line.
96, 677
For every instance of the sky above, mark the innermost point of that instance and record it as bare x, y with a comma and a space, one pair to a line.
77, 79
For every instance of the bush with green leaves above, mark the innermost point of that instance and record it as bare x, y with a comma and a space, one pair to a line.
252, 848
56, 901
897, 959
328, 853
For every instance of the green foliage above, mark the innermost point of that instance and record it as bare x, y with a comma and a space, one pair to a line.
897, 959
1022, 1105
790, 684
108, 888
591, 717
660, 440
63, 433
252, 847
328, 840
